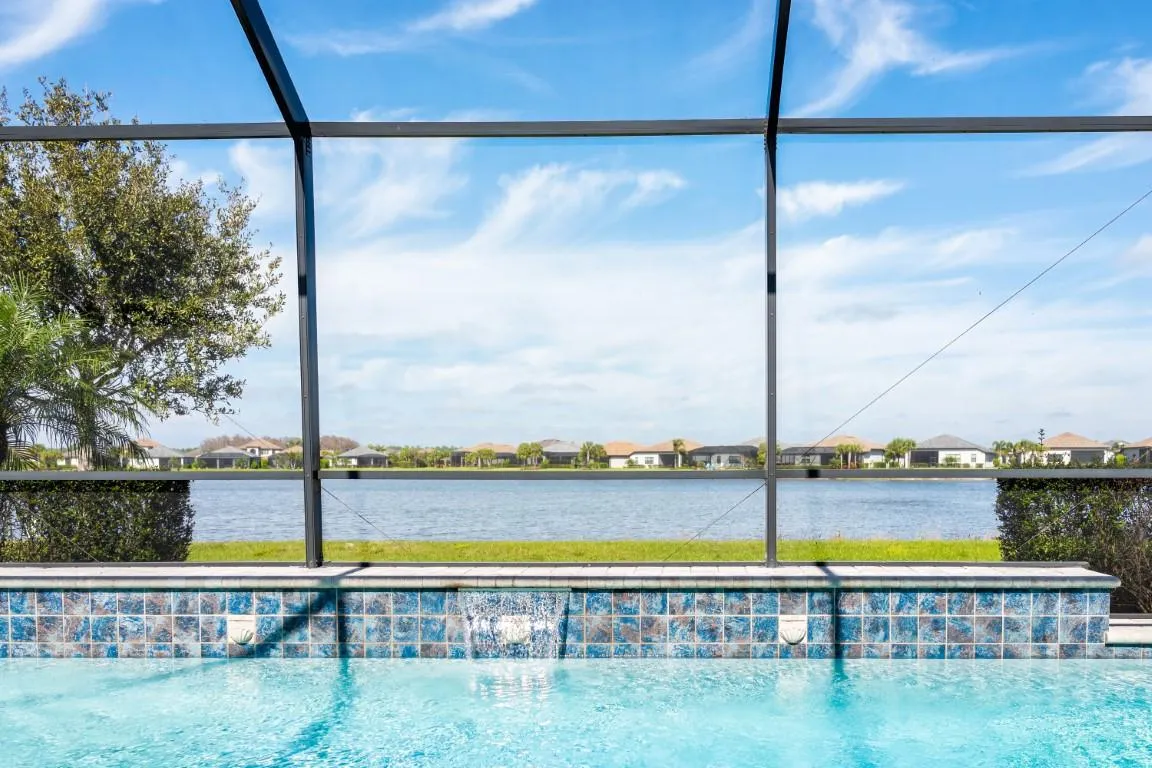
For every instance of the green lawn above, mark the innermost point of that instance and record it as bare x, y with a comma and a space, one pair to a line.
600, 551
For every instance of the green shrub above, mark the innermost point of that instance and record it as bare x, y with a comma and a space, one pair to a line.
114, 521
1105, 522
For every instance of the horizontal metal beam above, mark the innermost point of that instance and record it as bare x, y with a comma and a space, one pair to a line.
819, 473
932, 125
539, 474
539, 129
196, 474
144, 132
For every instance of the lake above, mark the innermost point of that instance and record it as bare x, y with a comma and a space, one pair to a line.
492, 510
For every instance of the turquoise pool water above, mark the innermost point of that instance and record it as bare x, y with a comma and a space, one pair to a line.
602, 713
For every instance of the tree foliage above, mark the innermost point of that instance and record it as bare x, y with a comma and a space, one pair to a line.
163, 274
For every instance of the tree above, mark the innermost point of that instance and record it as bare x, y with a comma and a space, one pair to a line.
762, 454
847, 453
591, 453
408, 456
47, 389
162, 273
678, 447
337, 443
485, 457
900, 448
530, 453
1004, 450
434, 457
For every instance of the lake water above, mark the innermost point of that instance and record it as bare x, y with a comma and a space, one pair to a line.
490, 510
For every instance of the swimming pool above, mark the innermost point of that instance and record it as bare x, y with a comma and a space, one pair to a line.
353, 712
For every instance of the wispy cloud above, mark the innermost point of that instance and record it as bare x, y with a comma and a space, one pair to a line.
1126, 85
739, 45
825, 198
461, 17
36, 28
877, 36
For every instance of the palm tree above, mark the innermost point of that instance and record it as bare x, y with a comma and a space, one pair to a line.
1004, 449
54, 387
900, 448
678, 447
591, 452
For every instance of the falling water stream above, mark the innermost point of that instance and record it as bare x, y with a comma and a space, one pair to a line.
514, 624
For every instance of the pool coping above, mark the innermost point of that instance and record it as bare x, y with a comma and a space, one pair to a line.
597, 576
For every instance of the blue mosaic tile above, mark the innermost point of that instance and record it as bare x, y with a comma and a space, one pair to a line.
737, 603
709, 629
903, 651
737, 629
849, 630
765, 603
1097, 626
213, 603
268, 603
376, 603
432, 602
763, 651
452, 602
965, 651
988, 651
850, 651
626, 603
350, 629
1017, 651
709, 603
376, 651
1073, 651
793, 603
849, 603
626, 629
626, 651
765, 629
932, 629
989, 603
793, 651
574, 652
1073, 629
819, 630
1017, 629
960, 603
683, 651
49, 603
332, 651
158, 629
1073, 603
709, 651
876, 602
598, 629
350, 650
931, 651
350, 602
295, 603
3, 601
103, 603
133, 650
322, 602
405, 629
377, 629
23, 629
1044, 629
296, 628
599, 603
1098, 603
185, 629
457, 651
574, 630
654, 629
433, 629
240, 603
268, 651
428, 650
820, 603
4, 627
1045, 603
654, 603
300, 650
77, 629
735, 651
905, 604
49, 629
576, 602
24, 651
186, 602
905, 629
682, 603
598, 650
213, 629
875, 629
988, 629
959, 630
131, 603
1017, 603
877, 650
933, 603
455, 629
108, 650
681, 629
269, 629
160, 651
22, 603
76, 603
103, 629
158, 603
653, 650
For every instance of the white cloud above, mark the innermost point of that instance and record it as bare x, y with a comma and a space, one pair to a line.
824, 198
877, 36
739, 45
1126, 86
36, 28
461, 17
267, 173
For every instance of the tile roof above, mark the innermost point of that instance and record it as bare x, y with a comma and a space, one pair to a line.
1070, 440
666, 446
162, 452
494, 447
225, 452
621, 448
835, 440
260, 442
1145, 443
145, 442
948, 443
362, 450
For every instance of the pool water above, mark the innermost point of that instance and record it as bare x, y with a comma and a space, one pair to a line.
574, 713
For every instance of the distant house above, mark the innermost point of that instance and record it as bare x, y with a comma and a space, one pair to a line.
949, 450
158, 456
559, 452
823, 453
259, 448
1139, 453
362, 456
725, 456
504, 453
1070, 448
663, 454
223, 458
619, 452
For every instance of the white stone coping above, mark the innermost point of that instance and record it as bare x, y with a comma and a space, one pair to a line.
535, 576
1129, 631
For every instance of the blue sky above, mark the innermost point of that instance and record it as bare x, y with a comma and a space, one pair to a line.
610, 289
